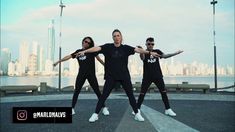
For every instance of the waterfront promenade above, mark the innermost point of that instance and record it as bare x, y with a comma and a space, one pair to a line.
195, 112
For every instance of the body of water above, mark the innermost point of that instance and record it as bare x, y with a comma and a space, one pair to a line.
223, 81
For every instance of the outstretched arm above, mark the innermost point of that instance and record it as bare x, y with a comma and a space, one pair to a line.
142, 56
63, 59
142, 51
100, 60
170, 55
90, 50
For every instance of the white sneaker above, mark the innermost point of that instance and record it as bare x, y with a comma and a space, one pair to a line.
138, 117
170, 112
73, 111
133, 113
105, 111
94, 117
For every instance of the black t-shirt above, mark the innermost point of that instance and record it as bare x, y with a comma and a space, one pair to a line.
86, 62
152, 69
116, 60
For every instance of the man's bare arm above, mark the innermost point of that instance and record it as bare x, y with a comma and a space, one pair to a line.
170, 55
142, 51
63, 59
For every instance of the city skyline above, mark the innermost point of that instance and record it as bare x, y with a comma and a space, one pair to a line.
34, 65
174, 27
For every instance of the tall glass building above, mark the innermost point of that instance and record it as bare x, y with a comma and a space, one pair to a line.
51, 41
24, 56
5, 59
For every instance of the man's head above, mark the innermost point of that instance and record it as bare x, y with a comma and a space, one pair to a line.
150, 43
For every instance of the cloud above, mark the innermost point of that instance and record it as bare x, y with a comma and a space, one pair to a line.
176, 24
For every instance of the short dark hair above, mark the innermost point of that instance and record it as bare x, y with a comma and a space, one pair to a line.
90, 44
151, 39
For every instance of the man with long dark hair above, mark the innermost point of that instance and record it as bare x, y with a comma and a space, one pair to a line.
86, 71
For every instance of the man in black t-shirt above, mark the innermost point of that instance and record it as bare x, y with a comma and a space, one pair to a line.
116, 60
152, 74
86, 71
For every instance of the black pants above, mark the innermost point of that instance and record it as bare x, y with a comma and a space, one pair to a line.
80, 80
161, 86
109, 85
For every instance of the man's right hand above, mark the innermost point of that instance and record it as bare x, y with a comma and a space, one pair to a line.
81, 53
55, 64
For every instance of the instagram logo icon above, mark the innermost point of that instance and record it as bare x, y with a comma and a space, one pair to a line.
21, 115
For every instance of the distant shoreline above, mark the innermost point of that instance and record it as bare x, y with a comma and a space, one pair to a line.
131, 76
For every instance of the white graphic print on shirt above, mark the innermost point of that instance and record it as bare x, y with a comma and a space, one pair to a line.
82, 57
152, 59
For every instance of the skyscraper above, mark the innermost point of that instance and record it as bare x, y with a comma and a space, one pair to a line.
48, 67
100, 67
41, 60
32, 64
51, 41
11, 68
23, 56
36, 51
18, 68
73, 67
5, 59
35, 48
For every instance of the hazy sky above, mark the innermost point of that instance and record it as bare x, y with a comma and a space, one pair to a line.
175, 24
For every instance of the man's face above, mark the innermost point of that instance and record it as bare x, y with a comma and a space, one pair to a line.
150, 45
